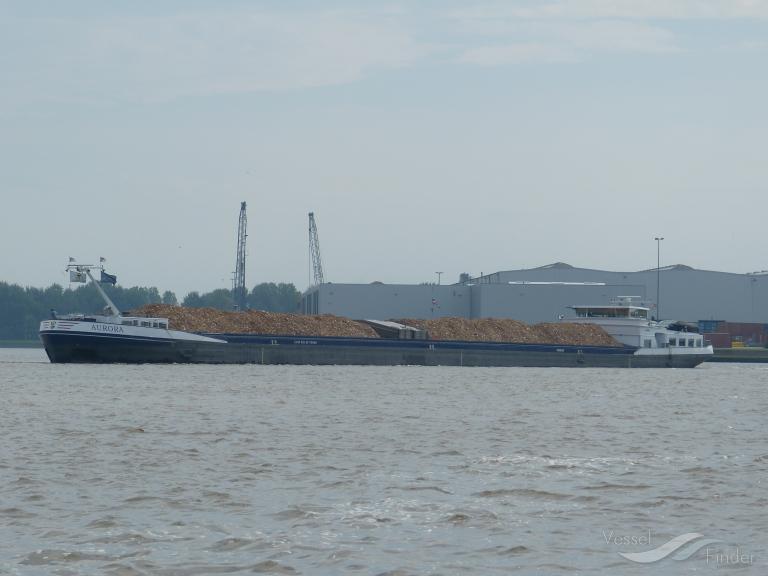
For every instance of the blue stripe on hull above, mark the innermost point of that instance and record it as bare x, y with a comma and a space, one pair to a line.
265, 339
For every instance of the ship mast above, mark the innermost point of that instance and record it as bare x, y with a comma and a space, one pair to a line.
81, 270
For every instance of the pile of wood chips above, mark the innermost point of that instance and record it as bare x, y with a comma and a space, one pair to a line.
477, 330
507, 330
255, 322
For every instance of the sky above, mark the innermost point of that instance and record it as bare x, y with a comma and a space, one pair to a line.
425, 136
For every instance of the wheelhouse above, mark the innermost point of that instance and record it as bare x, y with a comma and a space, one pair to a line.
639, 312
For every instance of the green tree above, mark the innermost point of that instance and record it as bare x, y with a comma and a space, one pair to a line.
274, 297
192, 300
220, 298
170, 298
23, 308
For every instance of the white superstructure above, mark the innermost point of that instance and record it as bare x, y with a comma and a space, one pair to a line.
123, 326
113, 323
630, 325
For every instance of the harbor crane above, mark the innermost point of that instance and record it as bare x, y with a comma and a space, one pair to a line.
314, 251
239, 292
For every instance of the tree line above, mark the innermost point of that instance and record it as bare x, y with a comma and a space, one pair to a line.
22, 308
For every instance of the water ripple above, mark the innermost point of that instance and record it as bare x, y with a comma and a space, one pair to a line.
196, 470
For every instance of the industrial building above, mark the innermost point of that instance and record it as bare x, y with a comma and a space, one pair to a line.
543, 294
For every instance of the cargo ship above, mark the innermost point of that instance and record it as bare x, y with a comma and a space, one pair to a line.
116, 338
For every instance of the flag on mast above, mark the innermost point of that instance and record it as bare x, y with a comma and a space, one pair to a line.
108, 278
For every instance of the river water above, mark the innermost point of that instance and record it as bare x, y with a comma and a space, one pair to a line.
186, 470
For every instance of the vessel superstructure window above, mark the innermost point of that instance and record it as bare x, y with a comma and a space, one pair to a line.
690, 342
146, 324
163, 325
648, 343
673, 341
604, 313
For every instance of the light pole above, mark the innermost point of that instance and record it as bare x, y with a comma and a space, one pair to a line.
439, 274
658, 276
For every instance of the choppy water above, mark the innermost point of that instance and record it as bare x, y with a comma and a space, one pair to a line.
361, 470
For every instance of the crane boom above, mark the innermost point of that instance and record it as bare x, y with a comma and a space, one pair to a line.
314, 251
239, 292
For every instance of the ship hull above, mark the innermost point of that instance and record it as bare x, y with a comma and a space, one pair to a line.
75, 347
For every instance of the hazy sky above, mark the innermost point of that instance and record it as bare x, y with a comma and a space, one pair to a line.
425, 136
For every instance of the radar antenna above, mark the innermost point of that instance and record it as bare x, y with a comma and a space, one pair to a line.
314, 251
239, 293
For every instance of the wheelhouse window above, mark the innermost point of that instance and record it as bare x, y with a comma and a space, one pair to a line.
690, 342
611, 312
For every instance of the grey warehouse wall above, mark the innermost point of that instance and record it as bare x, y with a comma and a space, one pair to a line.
686, 294
383, 301
541, 302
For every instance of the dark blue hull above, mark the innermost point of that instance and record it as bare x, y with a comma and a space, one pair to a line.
74, 347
